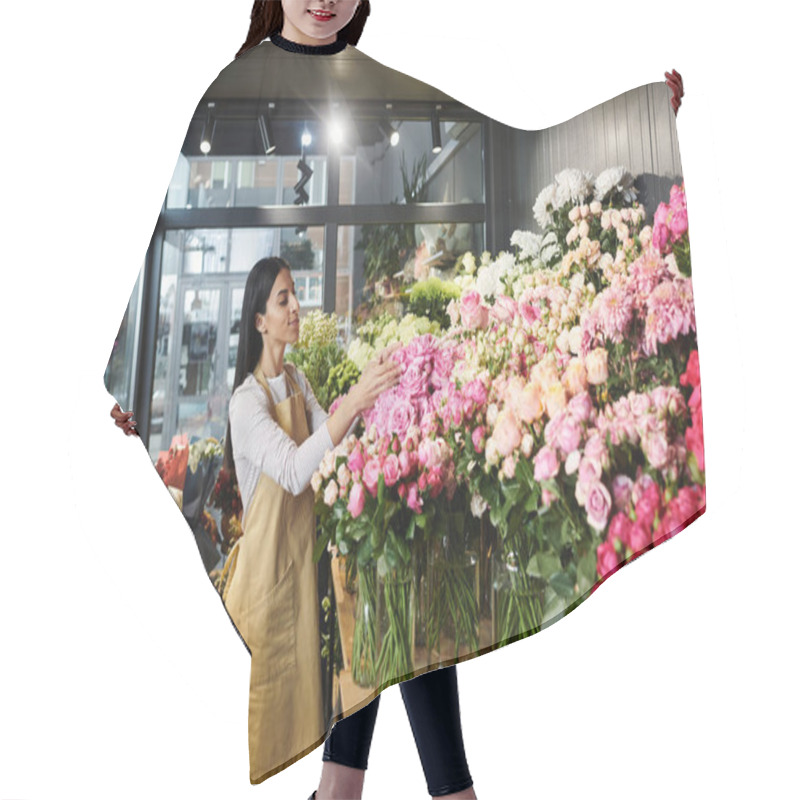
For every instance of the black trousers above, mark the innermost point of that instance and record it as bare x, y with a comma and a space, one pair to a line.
432, 706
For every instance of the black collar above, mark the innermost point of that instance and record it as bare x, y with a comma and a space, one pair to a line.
310, 49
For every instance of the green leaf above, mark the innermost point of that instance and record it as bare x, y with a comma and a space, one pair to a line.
364, 552
511, 490
562, 584
525, 472
383, 568
531, 501
544, 564
411, 527
381, 488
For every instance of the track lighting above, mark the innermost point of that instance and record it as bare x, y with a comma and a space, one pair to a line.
208, 131
267, 136
391, 132
436, 133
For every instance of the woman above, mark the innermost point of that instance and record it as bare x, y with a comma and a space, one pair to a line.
277, 436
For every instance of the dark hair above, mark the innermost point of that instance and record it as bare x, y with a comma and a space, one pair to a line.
266, 19
257, 290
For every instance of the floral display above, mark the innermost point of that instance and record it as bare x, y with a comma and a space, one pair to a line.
562, 406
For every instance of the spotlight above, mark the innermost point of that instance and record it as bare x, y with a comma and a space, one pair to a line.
267, 136
336, 132
436, 132
208, 131
391, 133
305, 139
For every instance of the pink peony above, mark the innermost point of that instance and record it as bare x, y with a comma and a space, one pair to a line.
477, 438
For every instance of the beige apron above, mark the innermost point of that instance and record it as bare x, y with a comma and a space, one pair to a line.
271, 595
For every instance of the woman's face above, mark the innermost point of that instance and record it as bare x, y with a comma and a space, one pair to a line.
281, 323
317, 21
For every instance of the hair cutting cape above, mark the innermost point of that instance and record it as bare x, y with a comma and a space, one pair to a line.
547, 428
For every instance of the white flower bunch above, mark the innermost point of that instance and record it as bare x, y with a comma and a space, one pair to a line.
615, 180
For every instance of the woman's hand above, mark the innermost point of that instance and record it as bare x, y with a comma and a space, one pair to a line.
382, 373
675, 82
124, 420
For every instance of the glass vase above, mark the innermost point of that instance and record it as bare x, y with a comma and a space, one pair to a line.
365, 632
397, 604
517, 598
452, 610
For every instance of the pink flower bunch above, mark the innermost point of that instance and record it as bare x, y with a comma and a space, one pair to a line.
671, 221
650, 293
421, 467
645, 419
694, 433
644, 517
427, 365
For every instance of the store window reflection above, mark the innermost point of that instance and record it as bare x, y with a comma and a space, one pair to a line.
376, 262
410, 172
244, 182
203, 274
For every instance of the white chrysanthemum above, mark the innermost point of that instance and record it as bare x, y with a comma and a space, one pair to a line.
572, 186
545, 198
528, 242
614, 179
487, 280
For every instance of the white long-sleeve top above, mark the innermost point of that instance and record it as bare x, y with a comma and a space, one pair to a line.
261, 445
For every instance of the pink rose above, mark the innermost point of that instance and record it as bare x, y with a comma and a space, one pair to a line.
569, 435
619, 528
504, 309
371, 474
639, 537
477, 438
406, 463
355, 461
506, 432
413, 499
545, 464
621, 488
580, 407
648, 505
607, 559
473, 313
355, 504
391, 470
598, 505
529, 403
